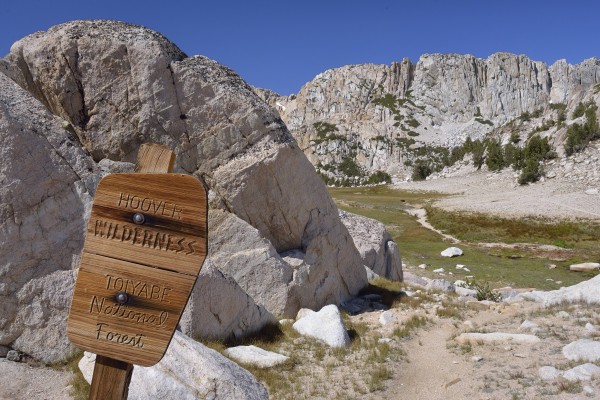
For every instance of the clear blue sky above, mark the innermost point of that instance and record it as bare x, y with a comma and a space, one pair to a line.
281, 45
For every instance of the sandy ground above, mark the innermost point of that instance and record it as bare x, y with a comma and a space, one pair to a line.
22, 381
498, 193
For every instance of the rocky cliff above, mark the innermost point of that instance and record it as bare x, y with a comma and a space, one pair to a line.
377, 117
76, 102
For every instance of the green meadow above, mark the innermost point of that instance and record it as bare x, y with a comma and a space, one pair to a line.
535, 265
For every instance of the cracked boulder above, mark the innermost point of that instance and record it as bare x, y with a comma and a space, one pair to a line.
90, 93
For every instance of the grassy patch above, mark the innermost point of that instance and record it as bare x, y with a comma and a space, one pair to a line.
414, 322
517, 267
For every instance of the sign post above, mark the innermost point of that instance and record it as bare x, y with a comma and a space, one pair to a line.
145, 244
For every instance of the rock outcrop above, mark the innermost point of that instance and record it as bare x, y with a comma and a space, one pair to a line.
385, 117
378, 250
88, 94
207, 375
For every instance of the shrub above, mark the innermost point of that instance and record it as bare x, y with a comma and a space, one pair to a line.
531, 172
484, 292
349, 167
421, 171
578, 136
379, 177
579, 110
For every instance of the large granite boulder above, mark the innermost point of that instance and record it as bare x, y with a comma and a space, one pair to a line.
208, 375
377, 249
93, 92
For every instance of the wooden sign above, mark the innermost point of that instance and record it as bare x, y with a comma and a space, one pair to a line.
145, 244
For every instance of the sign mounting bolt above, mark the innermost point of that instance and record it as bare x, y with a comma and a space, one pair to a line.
139, 218
121, 298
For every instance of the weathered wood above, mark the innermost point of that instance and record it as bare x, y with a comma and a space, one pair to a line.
145, 244
111, 379
154, 159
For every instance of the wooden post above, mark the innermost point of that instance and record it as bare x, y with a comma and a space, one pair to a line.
112, 377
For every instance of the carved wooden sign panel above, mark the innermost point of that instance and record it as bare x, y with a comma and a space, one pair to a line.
145, 244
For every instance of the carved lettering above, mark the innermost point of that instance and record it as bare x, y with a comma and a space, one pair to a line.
147, 204
103, 306
136, 288
103, 333
143, 237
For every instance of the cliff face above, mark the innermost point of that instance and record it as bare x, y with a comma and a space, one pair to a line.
378, 115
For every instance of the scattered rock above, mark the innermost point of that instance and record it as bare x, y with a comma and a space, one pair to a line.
584, 372
14, 355
441, 284
589, 391
585, 267
414, 280
583, 349
496, 337
387, 317
255, 356
189, 370
325, 325
583, 292
452, 252
463, 291
528, 326
548, 373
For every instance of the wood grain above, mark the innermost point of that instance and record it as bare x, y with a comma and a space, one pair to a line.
111, 379
154, 158
155, 263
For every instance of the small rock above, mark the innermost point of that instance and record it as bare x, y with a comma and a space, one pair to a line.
591, 328
476, 358
585, 267
583, 349
13, 355
439, 270
563, 315
4, 351
520, 355
387, 317
592, 191
255, 356
452, 252
384, 340
583, 372
423, 266
325, 325
589, 391
441, 284
463, 291
528, 326
548, 373
286, 321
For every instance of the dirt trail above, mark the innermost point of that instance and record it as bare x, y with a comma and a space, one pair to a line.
433, 372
